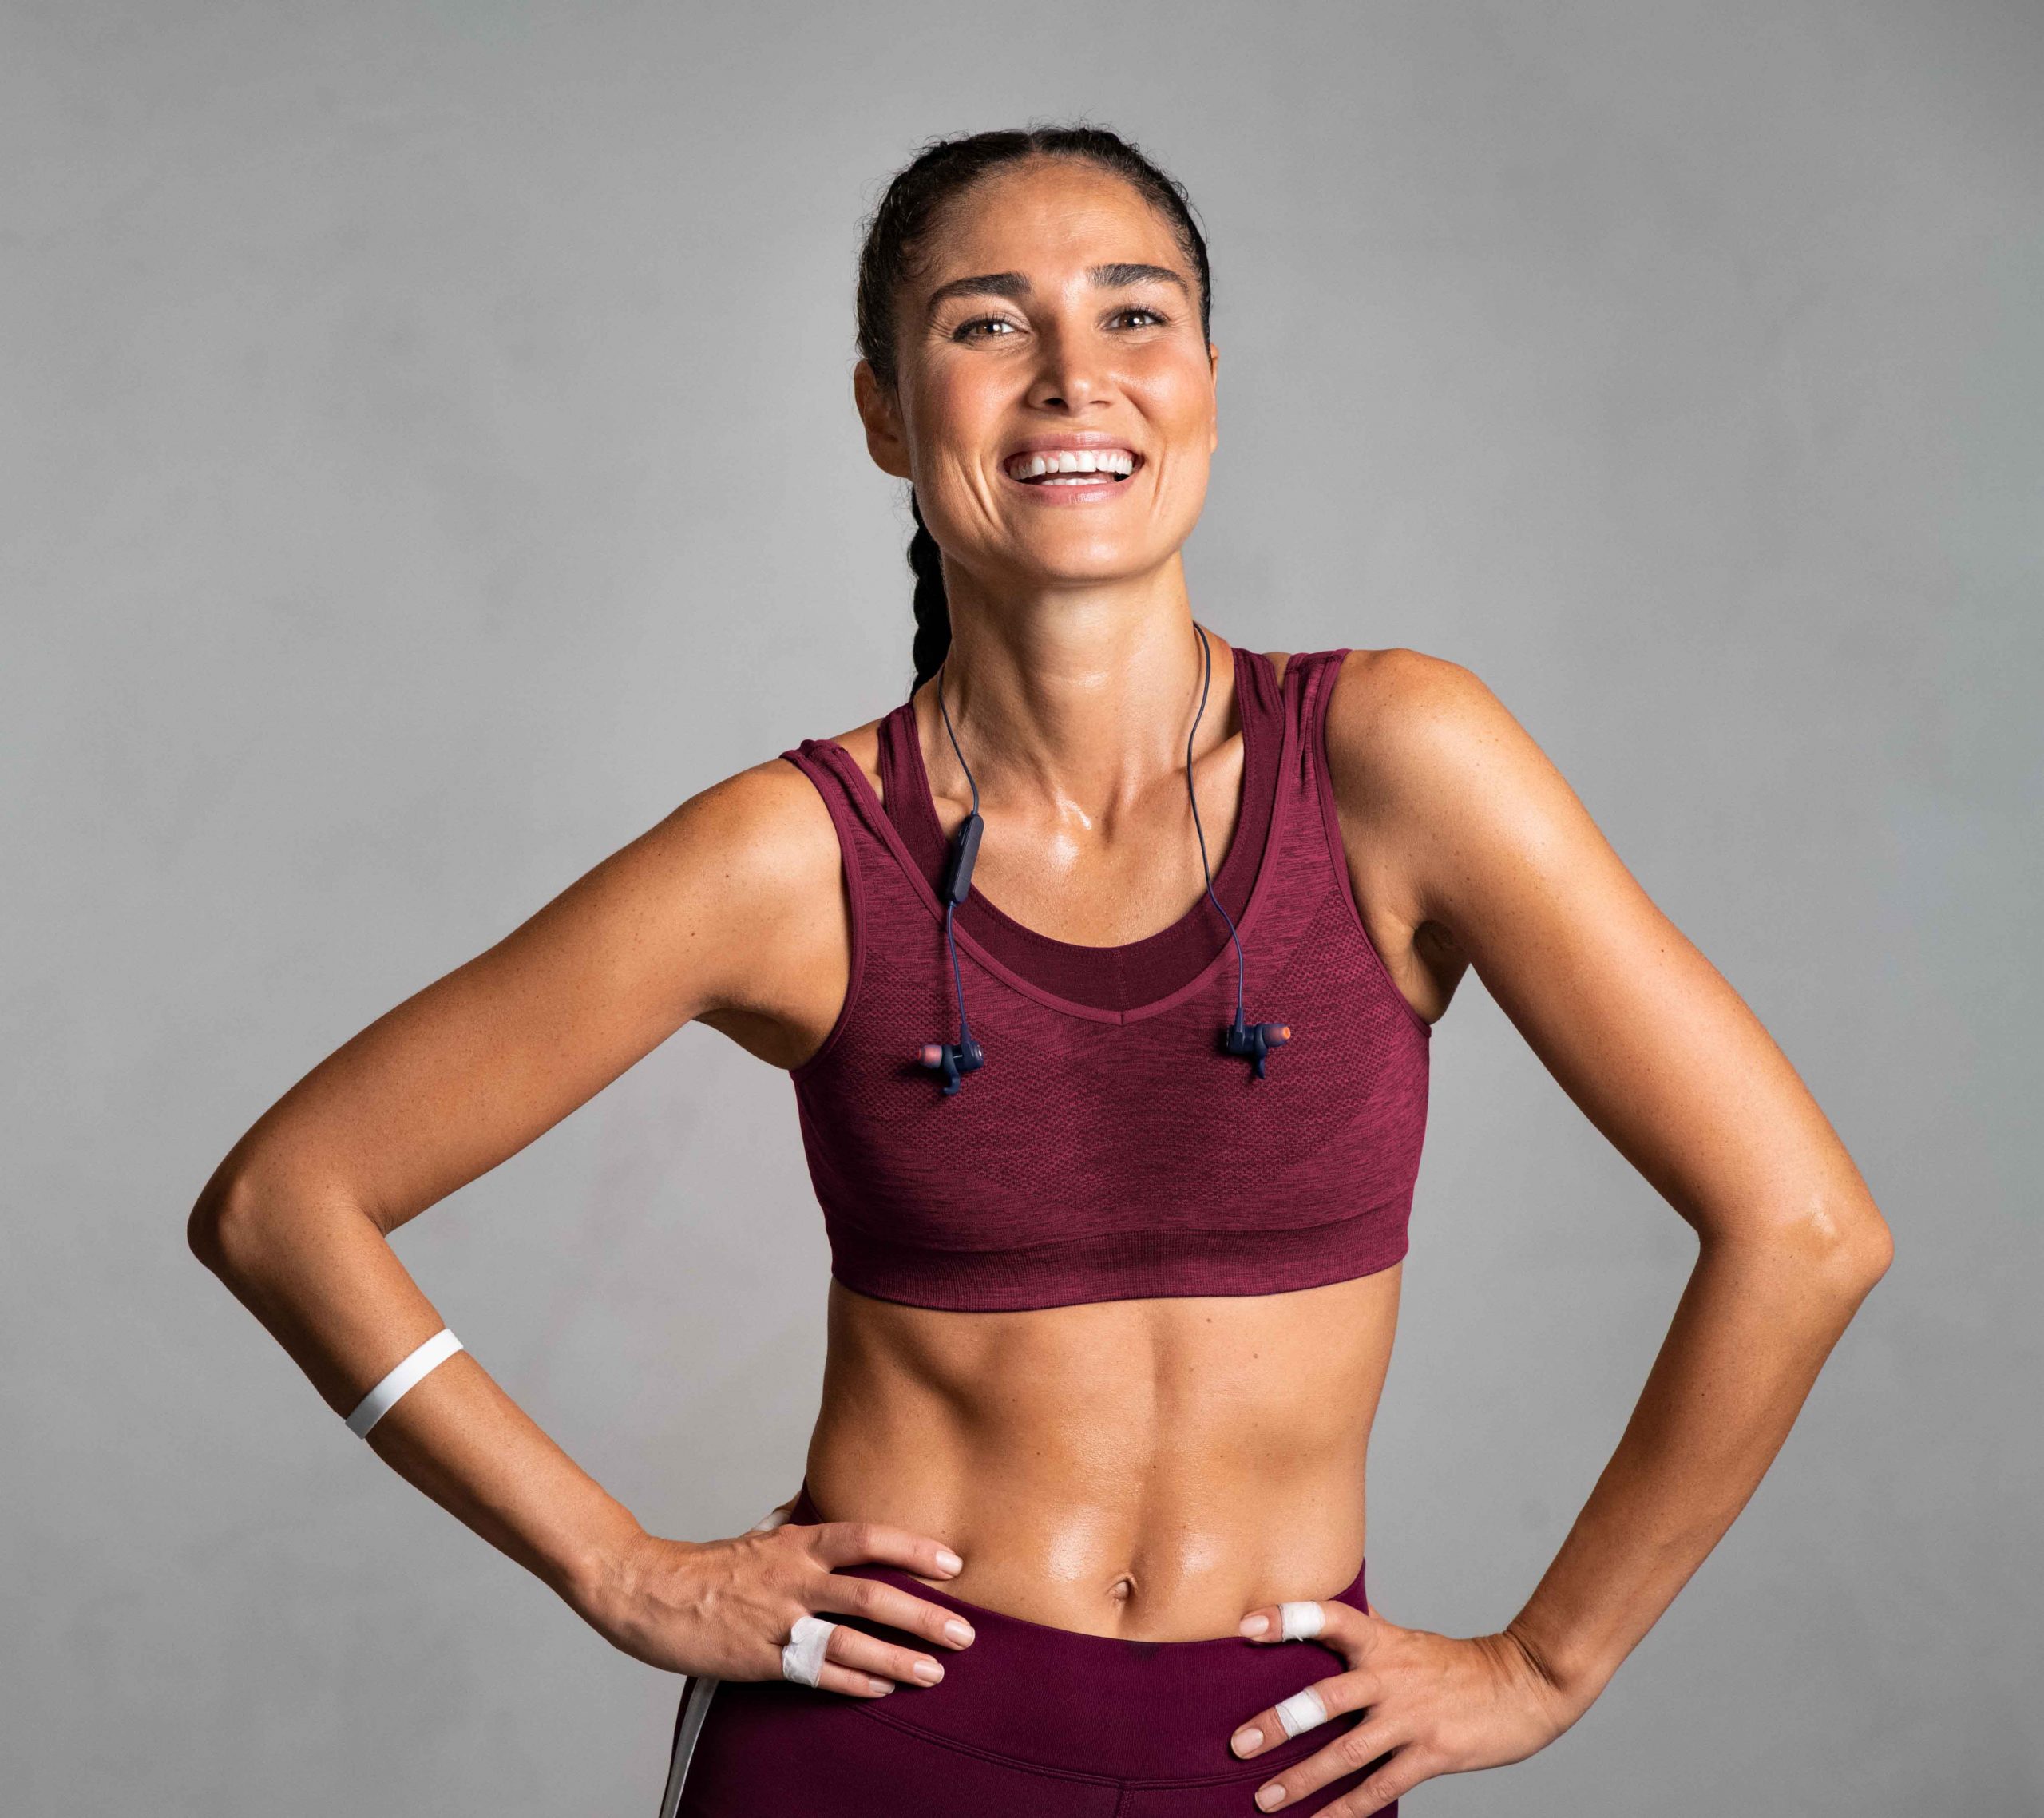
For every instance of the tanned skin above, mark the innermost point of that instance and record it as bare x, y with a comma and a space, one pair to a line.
1167, 1469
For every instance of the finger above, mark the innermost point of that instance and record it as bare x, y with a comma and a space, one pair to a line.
890, 1604
884, 1660
875, 1543
1338, 1625
1393, 1781
814, 1655
833, 1678
1357, 1748
1378, 1791
1308, 1709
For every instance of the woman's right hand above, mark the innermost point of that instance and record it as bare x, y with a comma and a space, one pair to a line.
722, 1609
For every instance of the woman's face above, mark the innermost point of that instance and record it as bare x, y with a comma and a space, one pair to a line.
1053, 323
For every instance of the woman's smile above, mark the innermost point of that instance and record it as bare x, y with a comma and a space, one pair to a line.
1071, 468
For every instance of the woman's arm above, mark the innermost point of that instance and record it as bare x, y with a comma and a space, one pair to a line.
1662, 1056
731, 911
1468, 848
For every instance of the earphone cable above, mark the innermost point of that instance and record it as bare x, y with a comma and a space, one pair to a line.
943, 707
1192, 795
957, 978
950, 907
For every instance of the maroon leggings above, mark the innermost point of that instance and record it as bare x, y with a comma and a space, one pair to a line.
1029, 1721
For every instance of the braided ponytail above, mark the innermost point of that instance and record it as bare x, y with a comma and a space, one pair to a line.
942, 170
932, 609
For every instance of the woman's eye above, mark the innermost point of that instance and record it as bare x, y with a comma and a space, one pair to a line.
965, 328
1138, 309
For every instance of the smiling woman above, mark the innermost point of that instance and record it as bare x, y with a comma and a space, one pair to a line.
1116, 1271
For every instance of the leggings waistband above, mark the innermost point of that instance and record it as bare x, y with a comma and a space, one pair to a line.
1100, 1704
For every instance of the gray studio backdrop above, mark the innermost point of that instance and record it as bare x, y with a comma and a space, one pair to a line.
429, 457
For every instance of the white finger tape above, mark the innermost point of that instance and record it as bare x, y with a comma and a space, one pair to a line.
1301, 1712
802, 1654
1302, 1622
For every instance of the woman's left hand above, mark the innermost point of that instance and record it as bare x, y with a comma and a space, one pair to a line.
1435, 1705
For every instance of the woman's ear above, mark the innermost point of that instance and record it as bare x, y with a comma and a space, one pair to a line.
1214, 367
880, 409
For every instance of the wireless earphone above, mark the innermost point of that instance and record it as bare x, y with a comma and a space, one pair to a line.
1254, 1040
955, 1059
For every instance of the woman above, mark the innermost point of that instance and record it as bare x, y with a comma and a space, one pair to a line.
1116, 1174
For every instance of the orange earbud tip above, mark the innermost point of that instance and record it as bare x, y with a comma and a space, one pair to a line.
931, 1054
1284, 1034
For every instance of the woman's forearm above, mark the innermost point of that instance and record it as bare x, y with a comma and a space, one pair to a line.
1753, 1328
321, 1275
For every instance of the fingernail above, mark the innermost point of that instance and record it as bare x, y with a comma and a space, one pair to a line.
1245, 1740
1255, 1624
948, 1561
883, 1686
1269, 1798
960, 1632
928, 1671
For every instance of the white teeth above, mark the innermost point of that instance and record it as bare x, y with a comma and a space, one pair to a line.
1059, 461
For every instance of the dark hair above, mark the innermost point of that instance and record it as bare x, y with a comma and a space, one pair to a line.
942, 170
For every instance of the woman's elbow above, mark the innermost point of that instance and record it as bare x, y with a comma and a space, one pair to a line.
1836, 1244
259, 1222
1851, 1246
1876, 1249
227, 1229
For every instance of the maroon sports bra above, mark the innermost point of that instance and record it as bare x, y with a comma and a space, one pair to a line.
1109, 1149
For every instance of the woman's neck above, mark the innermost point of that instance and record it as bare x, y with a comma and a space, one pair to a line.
1079, 696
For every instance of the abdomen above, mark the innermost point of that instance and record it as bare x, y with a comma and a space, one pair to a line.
1145, 1468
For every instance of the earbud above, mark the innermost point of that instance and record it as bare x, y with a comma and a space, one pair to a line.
1255, 1039
952, 1059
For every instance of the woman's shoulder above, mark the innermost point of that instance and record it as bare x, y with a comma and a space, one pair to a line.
1427, 763
1397, 715
1379, 694
770, 823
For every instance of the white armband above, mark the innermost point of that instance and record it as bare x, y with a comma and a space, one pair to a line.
382, 1399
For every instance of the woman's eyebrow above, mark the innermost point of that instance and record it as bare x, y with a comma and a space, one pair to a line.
987, 285
1115, 277
1013, 284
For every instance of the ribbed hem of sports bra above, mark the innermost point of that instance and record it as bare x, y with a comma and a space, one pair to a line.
1157, 1255
1337, 852
884, 830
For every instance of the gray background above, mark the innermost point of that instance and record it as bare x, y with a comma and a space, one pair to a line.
429, 457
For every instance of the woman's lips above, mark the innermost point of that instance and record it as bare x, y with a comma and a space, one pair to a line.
1043, 465
1071, 475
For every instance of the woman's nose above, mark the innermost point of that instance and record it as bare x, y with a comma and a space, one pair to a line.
1069, 375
